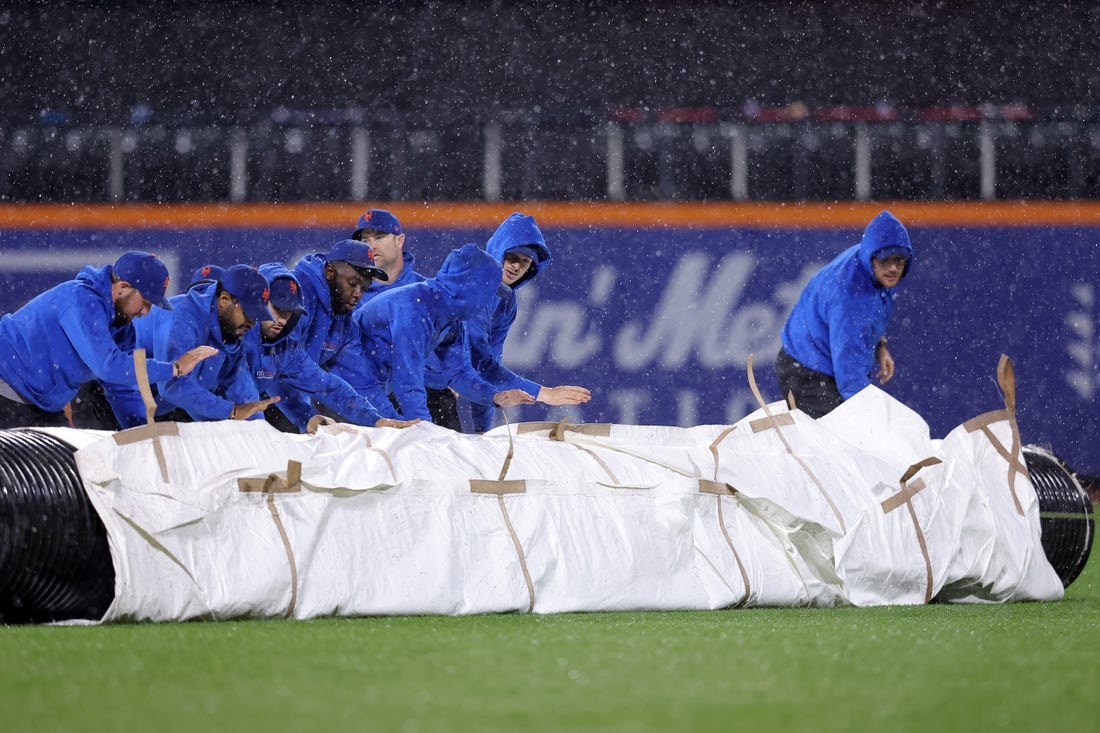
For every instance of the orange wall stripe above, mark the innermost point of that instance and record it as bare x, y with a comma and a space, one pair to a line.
439, 215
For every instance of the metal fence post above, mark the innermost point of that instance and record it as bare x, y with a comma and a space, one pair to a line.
360, 163
988, 158
739, 161
616, 163
238, 165
115, 178
863, 162
491, 177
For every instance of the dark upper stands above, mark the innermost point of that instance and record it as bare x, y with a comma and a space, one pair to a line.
234, 61
142, 100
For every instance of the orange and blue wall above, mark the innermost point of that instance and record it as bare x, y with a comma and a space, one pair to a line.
657, 307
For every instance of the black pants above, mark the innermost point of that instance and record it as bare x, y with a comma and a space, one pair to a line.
18, 415
815, 393
443, 406
278, 418
91, 409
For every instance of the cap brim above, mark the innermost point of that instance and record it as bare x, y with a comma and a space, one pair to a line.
290, 308
164, 304
370, 269
257, 314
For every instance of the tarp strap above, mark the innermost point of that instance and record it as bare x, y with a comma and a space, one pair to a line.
1006, 378
603, 465
317, 421
152, 430
561, 427
714, 447
272, 484
790, 402
500, 487
909, 489
720, 490
736, 555
600, 430
323, 421
774, 423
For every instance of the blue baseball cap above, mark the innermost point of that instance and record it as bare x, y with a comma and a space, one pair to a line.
526, 251
145, 273
249, 287
887, 252
357, 254
206, 274
378, 220
286, 295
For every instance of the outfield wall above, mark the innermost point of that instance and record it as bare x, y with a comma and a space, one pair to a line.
657, 307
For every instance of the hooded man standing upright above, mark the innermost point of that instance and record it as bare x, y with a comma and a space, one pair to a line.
836, 334
518, 245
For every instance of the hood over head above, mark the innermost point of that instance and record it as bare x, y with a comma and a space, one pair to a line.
469, 279
520, 230
885, 236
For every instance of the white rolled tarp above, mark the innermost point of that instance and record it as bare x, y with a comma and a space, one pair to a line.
860, 507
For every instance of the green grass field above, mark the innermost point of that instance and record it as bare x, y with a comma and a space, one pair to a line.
1016, 667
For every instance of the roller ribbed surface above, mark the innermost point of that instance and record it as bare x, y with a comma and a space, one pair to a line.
1065, 514
54, 560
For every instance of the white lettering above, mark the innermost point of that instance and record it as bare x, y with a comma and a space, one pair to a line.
687, 407
629, 404
701, 314
562, 327
1084, 376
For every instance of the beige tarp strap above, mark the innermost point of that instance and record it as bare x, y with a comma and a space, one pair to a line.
1006, 378
905, 497
152, 429
774, 423
561, 427
273, 483
719, 490
500, 487
714, 447
318, 421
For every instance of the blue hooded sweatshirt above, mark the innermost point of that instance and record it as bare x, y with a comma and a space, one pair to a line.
216, 384
330, 339
843, 311
487, 332
408, 276
282, 368
66, 336
404, 326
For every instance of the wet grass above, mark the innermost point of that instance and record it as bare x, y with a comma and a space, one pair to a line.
941, 668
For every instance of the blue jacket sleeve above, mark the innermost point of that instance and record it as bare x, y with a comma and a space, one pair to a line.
852, 344
407, 368
485, 338
301, 376
93, 341
194, 392
460, 374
